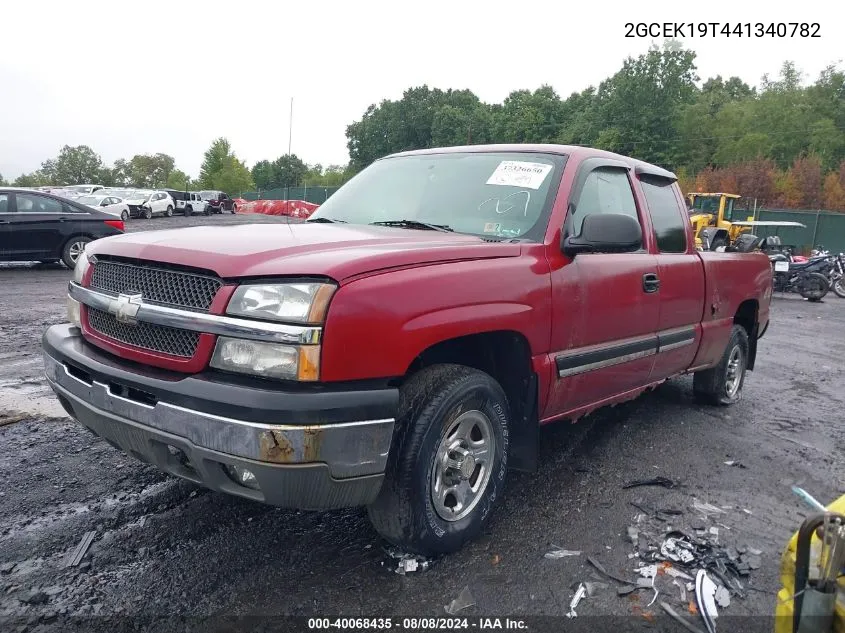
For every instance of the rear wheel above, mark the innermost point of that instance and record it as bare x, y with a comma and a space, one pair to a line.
189, 210
124, 215
839, 287
73, 248
448, 461
722, 384
169, 211
234, 209
814, 287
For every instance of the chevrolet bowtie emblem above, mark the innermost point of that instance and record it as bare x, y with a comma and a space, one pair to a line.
125, 307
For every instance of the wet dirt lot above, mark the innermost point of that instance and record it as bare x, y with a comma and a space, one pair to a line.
165, 547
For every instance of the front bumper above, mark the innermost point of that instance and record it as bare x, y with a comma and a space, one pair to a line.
193, 426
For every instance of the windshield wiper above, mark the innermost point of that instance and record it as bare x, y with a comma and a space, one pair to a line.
315, 220
415, 224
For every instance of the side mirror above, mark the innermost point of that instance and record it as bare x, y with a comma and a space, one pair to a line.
605, 233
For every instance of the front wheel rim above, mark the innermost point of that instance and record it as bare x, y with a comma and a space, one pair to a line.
463, 465
736, 365
76, 250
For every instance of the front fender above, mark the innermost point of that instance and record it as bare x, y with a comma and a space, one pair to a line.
378, 325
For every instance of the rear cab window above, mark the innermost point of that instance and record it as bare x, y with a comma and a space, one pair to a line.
667, 215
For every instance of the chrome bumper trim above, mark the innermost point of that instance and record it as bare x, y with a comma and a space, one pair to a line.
349, 449
201, 321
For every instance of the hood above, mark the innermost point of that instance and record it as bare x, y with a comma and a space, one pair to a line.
332, 250
136, 201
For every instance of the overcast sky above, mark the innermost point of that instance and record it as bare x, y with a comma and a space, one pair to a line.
128, 77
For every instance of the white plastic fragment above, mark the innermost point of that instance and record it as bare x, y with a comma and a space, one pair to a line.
677, 573
575, 600
463, 601
559, 552
682, 589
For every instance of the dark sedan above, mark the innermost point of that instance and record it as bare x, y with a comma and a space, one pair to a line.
38, 226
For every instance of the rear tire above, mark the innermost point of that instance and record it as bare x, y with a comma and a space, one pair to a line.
169, 211
234, 209
189, 211
72, 249
448, 461
839, 287
814, 287
124, 215
722, 384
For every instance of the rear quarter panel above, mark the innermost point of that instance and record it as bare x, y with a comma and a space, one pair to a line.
730, 279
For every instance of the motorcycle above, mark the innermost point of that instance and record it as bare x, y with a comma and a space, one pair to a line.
837, 275
810, 278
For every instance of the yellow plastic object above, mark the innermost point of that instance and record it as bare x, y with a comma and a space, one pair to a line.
783, 609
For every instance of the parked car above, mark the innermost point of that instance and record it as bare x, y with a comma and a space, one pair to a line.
187, 202
401, 348
146, 204
36, 226
107, 203
82, 190
219, 201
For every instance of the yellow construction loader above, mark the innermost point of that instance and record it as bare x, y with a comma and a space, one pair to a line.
716, 224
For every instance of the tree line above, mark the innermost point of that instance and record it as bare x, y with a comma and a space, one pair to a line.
782, 142
221, 170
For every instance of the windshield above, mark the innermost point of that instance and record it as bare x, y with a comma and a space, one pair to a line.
208, 195
706, 204
79, 189
88, 200
499, 195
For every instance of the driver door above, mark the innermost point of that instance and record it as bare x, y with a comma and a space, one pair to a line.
605, 306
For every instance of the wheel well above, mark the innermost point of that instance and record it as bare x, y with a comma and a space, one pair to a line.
506, 356
746, 316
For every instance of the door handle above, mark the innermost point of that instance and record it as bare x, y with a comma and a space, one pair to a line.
63, 219
651, 282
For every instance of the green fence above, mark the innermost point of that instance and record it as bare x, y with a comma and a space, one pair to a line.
316, 195
822, 228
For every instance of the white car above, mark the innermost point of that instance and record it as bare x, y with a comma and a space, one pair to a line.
82, 190
146, 204
109, 204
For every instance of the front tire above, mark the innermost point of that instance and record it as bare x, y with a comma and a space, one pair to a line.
234, 209
148, 214
814, 287
72, 249
717, 242
722, 384
189, 211
448, 462
839, 287
169, 211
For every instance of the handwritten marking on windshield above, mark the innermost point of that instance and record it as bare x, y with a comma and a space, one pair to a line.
503, 206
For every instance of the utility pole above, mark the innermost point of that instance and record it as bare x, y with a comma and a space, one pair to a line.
290, 126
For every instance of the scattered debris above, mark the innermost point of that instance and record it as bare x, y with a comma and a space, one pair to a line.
680, 620
496, 559
645, 583
7, 568
579, 594
681, 588
408, 563
559, 552
654, 481
600, 568
807, 498
735, 463
594, 587
705, 594
624, 590
723, 597
707, 509
633, 534
678, 549
463, 601
677, 573
76, 555
648, 571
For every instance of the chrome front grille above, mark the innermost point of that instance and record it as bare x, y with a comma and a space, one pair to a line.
156, 338
158, 285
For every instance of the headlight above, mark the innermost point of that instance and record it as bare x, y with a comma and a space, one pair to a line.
270, 360
81, 268
296, 302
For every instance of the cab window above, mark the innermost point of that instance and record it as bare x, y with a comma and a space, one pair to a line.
667, 216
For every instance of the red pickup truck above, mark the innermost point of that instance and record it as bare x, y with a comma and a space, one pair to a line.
401, 348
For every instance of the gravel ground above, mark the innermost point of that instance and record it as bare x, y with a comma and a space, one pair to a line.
164, 547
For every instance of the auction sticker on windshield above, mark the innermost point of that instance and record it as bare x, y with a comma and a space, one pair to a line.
517, 173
